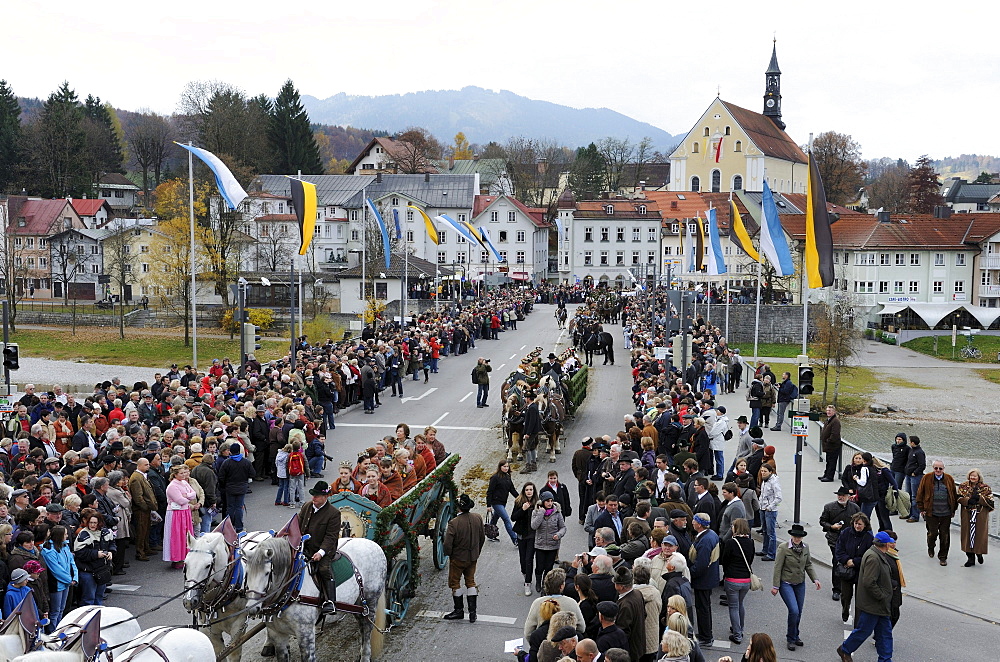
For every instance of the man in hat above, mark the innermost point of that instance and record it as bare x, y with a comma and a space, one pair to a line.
831, 443
631, 613
322, 522
259, 432
565, 639
143, 504
874, 600
704, 574
553, 365
610, 635
580, 464
463, 543
833, 519
235, 474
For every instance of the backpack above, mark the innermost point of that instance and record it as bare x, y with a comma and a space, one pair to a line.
296, 464
475, 380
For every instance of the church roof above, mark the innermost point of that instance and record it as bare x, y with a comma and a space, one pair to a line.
773, 67
768, 138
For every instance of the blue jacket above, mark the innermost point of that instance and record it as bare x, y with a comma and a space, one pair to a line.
705, 562
61, 564
14, 597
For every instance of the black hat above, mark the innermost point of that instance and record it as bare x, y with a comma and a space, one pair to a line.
608, 609
661, 405
623, 576
117, 446
587, 441
546, 496
564, 633
322, 488
843, 491
54, 508
552, 356
642, 493
797, 531
742, 419
465, 503
235, 449
677, 512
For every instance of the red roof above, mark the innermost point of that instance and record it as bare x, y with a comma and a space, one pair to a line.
766, 135
623, 208
910, 231
32, 216
536, 214
90, 207
278, 218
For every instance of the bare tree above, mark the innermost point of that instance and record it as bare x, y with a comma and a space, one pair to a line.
120, 262
889, 187
68, 259
838, 158
532, 168
148, 138
274, 247
13, 271
837, 340
414, 150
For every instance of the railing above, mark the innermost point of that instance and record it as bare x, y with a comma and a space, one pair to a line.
989, 290
989, 262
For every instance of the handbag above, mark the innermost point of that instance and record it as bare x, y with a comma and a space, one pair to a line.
492, 531
103, 574
843, 572
755, 583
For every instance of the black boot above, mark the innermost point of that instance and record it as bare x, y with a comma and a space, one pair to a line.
459, 612
329, 605
472, 607
538, 584
972, 560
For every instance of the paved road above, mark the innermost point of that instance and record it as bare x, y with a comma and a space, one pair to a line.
467, 430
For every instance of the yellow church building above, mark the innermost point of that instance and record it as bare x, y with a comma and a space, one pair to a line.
731, 148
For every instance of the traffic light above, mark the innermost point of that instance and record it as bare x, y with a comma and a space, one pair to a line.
10, 361
251, 338
805, 380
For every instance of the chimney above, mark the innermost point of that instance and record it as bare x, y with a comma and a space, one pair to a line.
427, 177
942, 211
884, 217
543, 165
475, 157
642, 185
451, 162
378, 177
673, 204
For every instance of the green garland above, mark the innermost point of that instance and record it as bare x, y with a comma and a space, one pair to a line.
399, 512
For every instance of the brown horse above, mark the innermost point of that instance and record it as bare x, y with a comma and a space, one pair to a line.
512, 424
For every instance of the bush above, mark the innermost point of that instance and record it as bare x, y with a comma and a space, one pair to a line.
262, 317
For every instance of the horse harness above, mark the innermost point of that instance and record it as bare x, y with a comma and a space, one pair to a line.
277, 602
151, 645
231, 584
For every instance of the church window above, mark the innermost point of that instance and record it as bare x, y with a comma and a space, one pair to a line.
696, 184
716, 181
739, 146
738, 183
694, 148
727, 130
706, 132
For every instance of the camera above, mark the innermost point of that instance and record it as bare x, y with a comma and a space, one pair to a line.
487, 360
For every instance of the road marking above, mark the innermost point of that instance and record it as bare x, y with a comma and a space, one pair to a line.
422, 396
720, 645
128, 588
466, 396
414, 426
511, 356
500, 367
559, 339
503, 620
523, 346
440, 418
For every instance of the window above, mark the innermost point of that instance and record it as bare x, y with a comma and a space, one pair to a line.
354, 235
409, 236
694, 148
395, 202
668, 250
605, 232
836, 257
914, 287
96, 268
695, 183
43, 262
716, 181
863, 287
502, 237
340, 231
43, 242
883, 259
938, 287
620, 258
460, 257
520, 236
651, 234
609, 209
30, 243
635, 257
674, 229
864, 259
620, 234
959, 259
512, 217
897, 287
692, 229
939, 259
354, 214
442, 237
637, 234
461, 239
641, 209
738, 182
281, 210
409, 215
914, 259
706, 132
484, 257
461, 218
588, 234
727, 130
503, 256
381, 290
739, 146
442, 257
959, 286
494, 217
119, 194
900, 259
519, 257
127, 249
145, 268
651, 257
883, 287
144, 249
604, 258
128, 268
17, 242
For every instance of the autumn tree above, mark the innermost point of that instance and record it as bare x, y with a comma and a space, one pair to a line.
925, 187
148, 138
415, 149
888, 184
171, 247
293, 145
13, 269
461, 149
838, 158
10, 137
119, 263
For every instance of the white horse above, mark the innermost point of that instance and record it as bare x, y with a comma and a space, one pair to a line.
117, 627
268, 570
20, 630
213, 587
177, 644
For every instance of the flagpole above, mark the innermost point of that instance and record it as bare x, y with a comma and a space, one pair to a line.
364, 251
402, 301
194, 290
804, 277
756, 324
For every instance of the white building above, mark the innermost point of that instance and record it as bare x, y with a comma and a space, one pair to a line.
520, 234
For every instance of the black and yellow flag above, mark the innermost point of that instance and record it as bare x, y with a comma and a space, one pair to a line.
699, 247
738, 233
304, 201
819, 236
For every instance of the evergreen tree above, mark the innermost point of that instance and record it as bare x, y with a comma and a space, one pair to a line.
58, 147
586, 179
10, 137
292, 141
924, 187
104, 149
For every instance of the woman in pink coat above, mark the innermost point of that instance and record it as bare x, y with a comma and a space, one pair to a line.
181, 500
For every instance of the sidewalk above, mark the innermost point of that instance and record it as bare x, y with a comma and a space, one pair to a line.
969, 591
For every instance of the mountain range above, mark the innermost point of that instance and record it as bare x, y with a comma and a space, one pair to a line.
483, 116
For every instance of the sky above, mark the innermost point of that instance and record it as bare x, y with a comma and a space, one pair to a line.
903, 79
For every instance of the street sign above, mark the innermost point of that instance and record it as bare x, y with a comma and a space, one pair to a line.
800, 426
104, 279
660, 353
5, 405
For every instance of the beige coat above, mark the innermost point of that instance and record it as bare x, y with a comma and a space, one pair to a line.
122, 500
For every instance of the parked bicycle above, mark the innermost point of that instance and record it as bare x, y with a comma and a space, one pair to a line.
970, 351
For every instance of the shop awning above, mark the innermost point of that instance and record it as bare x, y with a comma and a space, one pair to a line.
933, 313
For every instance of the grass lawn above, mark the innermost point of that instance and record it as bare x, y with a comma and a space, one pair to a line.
856, 386
989, 345
92, 345
782, 350
989, 375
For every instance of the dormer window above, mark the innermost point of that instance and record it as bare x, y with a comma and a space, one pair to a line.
641, 209
694, 148
609, 209
395, 202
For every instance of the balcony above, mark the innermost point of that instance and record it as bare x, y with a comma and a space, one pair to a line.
989, 262
989, 291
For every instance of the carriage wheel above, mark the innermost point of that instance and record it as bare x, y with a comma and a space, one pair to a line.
398, 589
444, 516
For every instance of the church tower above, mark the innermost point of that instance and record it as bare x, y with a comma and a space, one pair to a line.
772, 92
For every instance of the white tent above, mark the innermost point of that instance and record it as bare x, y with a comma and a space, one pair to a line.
933, 313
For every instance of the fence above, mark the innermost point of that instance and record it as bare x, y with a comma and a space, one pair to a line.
78, 308
994, 524
577, 386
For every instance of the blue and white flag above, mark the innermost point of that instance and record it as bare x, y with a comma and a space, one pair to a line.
459, 228
489, 243
772, 238
383, 229
716, 260
560, 229
230, 189
399, 229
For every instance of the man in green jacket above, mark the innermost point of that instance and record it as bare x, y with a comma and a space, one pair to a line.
874, 598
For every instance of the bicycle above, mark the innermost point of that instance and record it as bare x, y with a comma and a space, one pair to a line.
970, 351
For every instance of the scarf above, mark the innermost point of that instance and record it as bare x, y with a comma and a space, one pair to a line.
893, 554
549, 511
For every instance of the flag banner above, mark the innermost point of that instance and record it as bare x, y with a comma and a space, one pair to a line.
432, 231
681, 229
738, 233
304, 201
716, 260
399, 228
560, 230
819, 235
699, 252
383, 229
475, 233
489, 243
459, 228
772, 238
718, 150
229, 188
